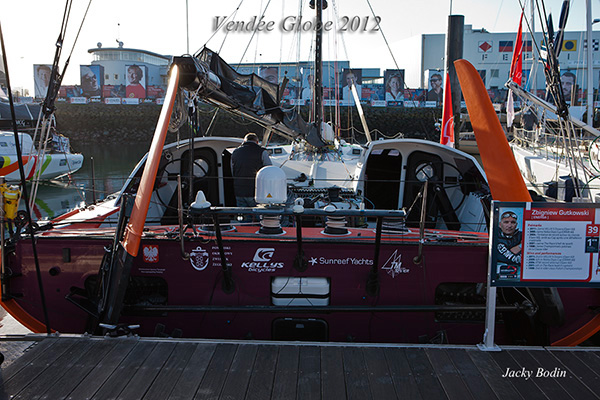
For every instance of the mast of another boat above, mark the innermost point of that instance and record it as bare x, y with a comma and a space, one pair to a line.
454, 51
318, 90
590, 67
532, 71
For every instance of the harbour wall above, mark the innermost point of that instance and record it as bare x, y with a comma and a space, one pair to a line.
130, 124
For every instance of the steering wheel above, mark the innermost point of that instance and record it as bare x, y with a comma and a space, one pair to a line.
200, 172
425, 171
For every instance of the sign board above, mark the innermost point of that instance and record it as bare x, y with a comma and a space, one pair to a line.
411, 103
545, 244
78, 100
133, 100
112, 100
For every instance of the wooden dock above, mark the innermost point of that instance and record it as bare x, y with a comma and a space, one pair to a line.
81, 367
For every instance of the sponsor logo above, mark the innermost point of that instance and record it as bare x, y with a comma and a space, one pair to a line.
150, 253
340, 261
508, 271
199, 258
263, 254
393, 265
262, 261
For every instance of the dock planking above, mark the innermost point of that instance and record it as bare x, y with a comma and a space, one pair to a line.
76, 367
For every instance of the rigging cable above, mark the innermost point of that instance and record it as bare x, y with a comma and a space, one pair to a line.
554, 87
252, 36
48, 107
25, 193
219, 27
387, 43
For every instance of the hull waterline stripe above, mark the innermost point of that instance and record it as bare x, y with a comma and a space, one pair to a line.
44, 166
10, 168
32, 170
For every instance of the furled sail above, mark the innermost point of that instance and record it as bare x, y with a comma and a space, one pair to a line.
249, 95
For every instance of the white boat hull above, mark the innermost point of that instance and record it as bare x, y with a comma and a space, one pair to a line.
539, 170
49, 166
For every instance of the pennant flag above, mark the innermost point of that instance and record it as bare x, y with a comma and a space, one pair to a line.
505, 46
516, 65
510, 109
447, 136
569, 45
516, 72
595, 44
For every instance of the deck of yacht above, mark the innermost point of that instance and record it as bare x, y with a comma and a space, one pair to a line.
83, 367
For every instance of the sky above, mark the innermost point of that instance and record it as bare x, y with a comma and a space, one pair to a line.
31, 28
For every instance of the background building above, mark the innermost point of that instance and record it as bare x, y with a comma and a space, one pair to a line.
116, 63
491, 55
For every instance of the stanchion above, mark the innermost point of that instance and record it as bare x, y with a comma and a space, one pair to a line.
2, 238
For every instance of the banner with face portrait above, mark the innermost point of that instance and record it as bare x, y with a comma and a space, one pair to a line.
350, 76
270, 74
92, 80
393, 80
568, 84
41, 79
136, 81
435, 88
308, 82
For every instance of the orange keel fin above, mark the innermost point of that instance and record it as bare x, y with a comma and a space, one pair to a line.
24, 318
135, 227
581, 334
503, 174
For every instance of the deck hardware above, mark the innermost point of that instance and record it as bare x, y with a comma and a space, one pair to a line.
373, 280
184, 254
228, 282
300, 263
418, 259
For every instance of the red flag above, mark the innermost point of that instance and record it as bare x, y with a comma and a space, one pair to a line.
447, 136
516, 66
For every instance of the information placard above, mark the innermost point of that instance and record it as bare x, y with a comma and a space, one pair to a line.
545, 244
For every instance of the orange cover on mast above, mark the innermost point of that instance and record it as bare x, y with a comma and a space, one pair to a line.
135, 227
503, 174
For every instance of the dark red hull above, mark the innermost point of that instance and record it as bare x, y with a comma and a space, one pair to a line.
162, 278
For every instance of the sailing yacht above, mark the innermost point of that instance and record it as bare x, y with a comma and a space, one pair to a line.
557, 153
55, 162
47, 157
383, 241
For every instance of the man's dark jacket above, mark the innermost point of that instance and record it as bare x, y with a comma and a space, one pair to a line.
246, 160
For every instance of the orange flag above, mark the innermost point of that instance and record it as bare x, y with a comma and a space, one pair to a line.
447, 136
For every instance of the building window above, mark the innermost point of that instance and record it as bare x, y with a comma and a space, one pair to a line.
106, 76
116, 77
494, 73
482, 74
